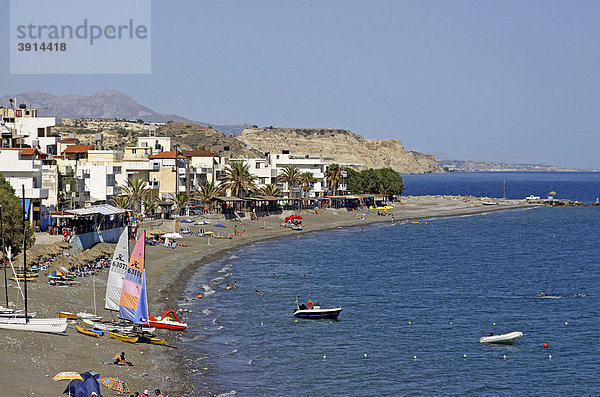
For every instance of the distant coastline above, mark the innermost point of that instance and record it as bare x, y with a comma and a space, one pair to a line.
496, 166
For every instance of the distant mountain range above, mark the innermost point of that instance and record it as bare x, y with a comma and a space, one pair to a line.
490, 166
104, 104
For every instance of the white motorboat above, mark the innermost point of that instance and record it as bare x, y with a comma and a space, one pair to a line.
532, 197
51, 325
504, 339
312, 311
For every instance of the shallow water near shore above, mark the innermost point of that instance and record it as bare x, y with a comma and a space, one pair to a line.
428, 290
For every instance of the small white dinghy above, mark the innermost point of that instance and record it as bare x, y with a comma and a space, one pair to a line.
505, 339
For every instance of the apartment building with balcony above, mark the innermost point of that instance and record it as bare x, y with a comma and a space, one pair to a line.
28, 129
23, 167
305, 163
170, 170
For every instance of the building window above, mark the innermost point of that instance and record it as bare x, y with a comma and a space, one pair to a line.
257, 165
133, 151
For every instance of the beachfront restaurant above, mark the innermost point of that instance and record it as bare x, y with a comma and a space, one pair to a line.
91, 219
349, 201
228, 206
265, 205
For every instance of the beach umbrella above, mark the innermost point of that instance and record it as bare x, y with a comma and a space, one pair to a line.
172, 235
69, 375
186, 221
115, 384
297, 217
552, 193
219, 225
202, 223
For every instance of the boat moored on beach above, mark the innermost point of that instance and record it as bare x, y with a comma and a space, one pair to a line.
312, 311
168, 322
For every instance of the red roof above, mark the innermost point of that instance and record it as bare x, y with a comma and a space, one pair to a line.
166, 155
27, 151
78, 149
198, 153
69, 140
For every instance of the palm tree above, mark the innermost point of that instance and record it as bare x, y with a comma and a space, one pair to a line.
207, 193
290, 175
333, 176
238, 178
120, 201
270, 190
149, 206
180, 200
306, 181
136, 189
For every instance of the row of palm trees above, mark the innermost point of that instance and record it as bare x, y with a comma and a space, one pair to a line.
236, 178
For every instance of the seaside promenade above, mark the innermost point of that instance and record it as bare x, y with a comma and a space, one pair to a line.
30, 360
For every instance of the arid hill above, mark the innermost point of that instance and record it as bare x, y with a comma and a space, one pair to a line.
119, 134
342, 146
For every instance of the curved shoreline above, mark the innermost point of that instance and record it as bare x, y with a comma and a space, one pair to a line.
190, 265
30, 360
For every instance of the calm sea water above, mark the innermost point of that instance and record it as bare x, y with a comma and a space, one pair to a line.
575, 186
428, 290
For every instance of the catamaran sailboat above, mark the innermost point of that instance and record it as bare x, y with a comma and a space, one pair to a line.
25, 323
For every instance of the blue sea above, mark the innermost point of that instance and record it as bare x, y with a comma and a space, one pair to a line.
416, 299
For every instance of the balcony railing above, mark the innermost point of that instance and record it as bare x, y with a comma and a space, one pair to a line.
33, 193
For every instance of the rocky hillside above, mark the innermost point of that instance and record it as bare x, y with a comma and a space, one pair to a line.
110, 104
342, 146
118, 135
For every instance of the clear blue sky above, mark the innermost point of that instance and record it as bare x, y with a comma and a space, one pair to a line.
481, 80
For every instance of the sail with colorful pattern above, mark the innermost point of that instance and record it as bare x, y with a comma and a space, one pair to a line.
133, 293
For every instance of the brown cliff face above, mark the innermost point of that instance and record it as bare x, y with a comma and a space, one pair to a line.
341, 146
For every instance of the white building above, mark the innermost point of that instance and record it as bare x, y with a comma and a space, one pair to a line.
23, 167
33, 130
305, 163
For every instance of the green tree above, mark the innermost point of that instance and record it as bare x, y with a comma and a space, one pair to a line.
149, 206
207, 193
12, 215
291, 175
238, 178
270, 190
180, 200
375, 181
136, 189
333, 176
120, 201
307, 180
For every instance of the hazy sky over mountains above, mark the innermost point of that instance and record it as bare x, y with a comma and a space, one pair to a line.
509, 81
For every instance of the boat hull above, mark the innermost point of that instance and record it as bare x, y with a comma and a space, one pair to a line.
49, 325
67, 315
316, 314
124, 338
164, 322
504, 339
86, 332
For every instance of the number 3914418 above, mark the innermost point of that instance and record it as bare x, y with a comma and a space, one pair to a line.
49, 46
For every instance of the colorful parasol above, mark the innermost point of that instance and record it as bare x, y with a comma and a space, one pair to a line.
115, 384
67, 376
